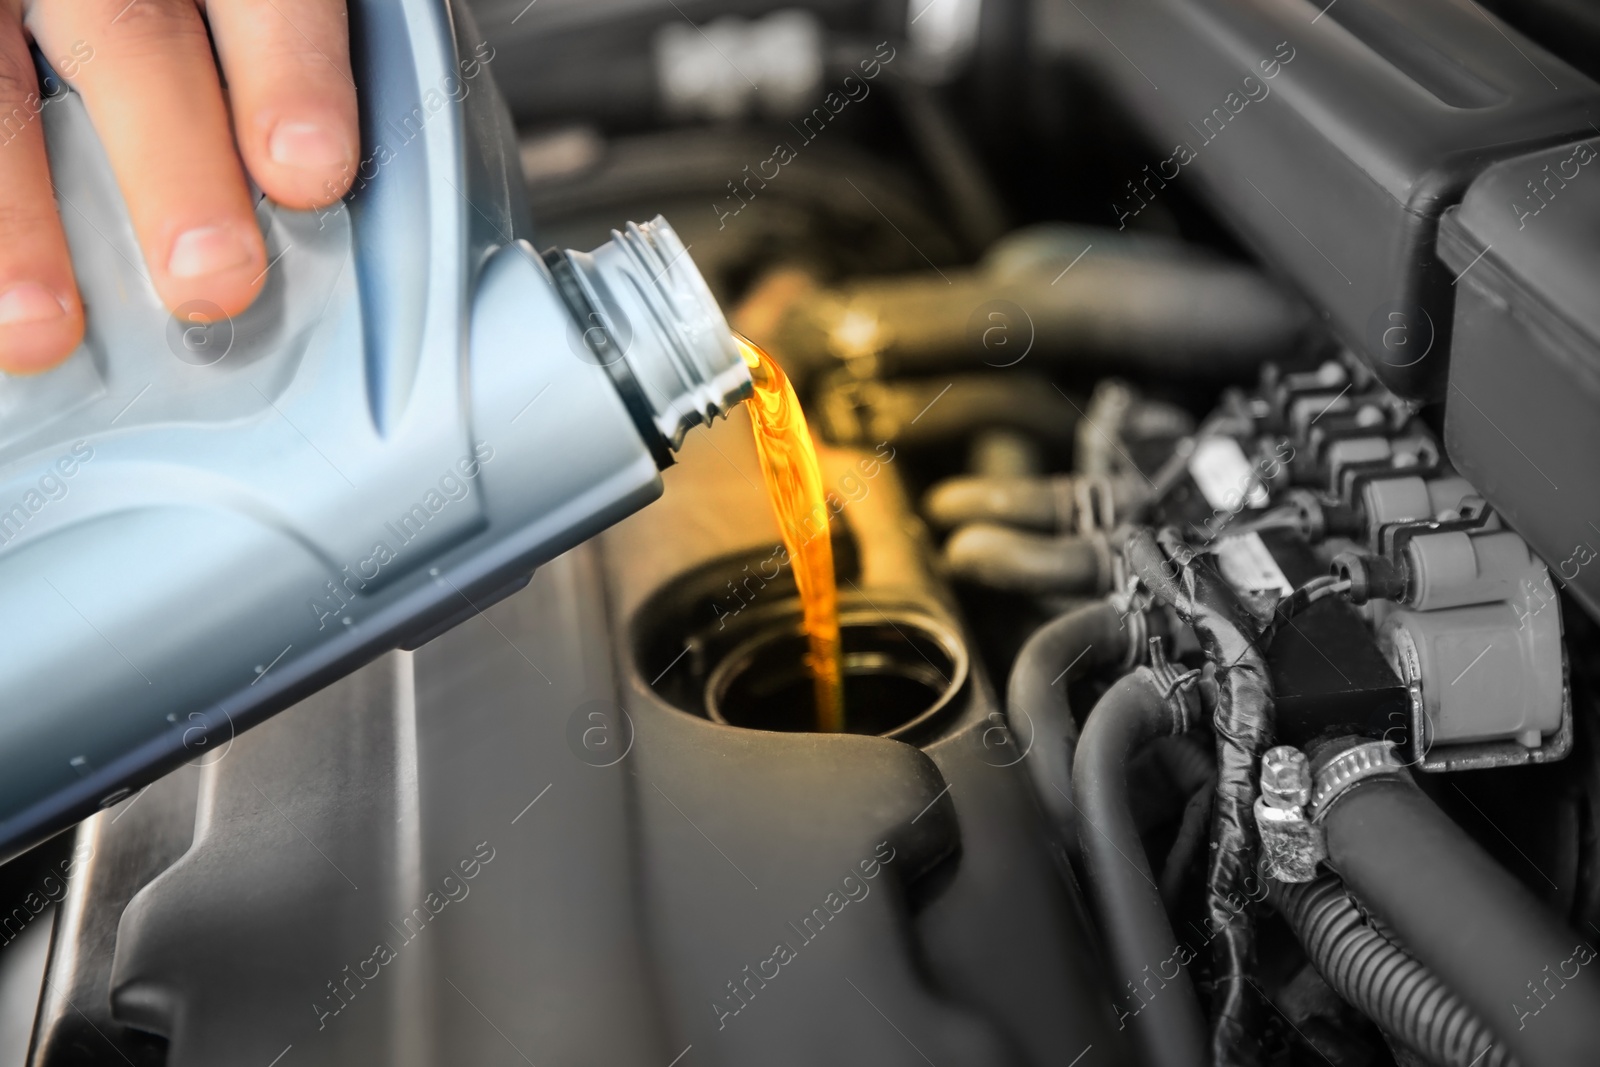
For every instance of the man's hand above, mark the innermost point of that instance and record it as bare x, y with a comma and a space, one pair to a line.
147, 74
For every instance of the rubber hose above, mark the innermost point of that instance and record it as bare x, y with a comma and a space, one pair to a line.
1530, 979
1189, 761
1039, 503
1167, 1025
1382, 980
1045, 503
1186, 846
1058, 653
1004, 454
935, 412
1242, 726
1020, 562
1179, 316
970, 200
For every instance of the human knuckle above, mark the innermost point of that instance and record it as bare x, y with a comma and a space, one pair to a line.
22, 218
147, 26
297, 66
17, 83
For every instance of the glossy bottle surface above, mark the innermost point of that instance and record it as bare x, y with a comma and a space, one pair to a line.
200, 524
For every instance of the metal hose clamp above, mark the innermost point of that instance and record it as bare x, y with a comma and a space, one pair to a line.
1131, 602
1177, 687
1369, 759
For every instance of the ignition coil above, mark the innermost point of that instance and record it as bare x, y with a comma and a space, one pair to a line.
1463, 619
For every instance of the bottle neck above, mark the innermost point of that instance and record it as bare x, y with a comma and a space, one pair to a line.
644, 313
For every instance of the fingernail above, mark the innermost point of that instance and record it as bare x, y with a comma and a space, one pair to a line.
307, 145
207, 250
29, 302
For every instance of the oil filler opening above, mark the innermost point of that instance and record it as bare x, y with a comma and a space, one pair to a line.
901, 670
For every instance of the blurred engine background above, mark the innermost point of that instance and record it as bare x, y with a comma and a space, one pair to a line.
586, 827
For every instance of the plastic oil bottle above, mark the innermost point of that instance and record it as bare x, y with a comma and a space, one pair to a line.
201, 524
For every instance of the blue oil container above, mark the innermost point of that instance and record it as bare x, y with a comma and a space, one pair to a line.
202, 523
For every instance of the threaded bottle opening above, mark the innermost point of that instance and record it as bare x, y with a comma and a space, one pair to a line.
649, 318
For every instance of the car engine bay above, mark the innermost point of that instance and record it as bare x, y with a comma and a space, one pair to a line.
1224, 649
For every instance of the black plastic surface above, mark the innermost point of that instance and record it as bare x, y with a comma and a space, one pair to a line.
1331, 137
1008, 970
508, 847
1522, 420
596, 60
1329, 678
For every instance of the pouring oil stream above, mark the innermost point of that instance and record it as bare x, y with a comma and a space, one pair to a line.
794, 483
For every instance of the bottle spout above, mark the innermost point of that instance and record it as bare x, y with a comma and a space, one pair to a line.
645, 314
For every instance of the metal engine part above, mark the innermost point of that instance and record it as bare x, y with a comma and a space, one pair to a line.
1188, 463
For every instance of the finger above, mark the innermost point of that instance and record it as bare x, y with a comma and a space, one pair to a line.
41, 320
153, 93
287, 63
